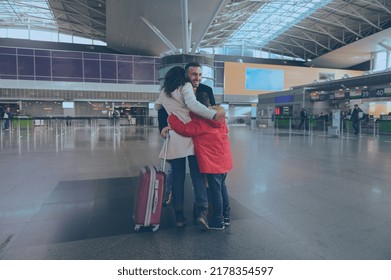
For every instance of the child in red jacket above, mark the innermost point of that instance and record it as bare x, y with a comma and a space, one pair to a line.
213, 152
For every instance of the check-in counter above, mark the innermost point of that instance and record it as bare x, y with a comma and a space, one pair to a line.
385, 124
22, 121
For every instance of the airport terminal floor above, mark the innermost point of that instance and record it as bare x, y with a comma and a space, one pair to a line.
66, 193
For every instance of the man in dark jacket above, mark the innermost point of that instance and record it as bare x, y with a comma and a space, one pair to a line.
356, 119
194, 73
303, 119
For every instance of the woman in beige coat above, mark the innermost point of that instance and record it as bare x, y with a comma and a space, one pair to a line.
178, 98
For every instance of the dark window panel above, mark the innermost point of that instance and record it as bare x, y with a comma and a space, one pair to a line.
7, 50
42, 53
125, 71
219, 75
125, 58
91, 69
144, 72
10, 77
111, 57
61, 54
91, 55
124, 82
109, 81
25, 51
41, 78
68, 79
26, 65
219, 64
92, 80
144, 59
42, 66
24, 77
7, 64
75, 79
108, 70
144, 83
67, 68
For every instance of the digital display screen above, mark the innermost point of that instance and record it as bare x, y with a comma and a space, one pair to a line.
68, 105
284, 99
264, 79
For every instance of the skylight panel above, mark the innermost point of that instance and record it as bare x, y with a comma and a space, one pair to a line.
30, 13
34, 20
273, 19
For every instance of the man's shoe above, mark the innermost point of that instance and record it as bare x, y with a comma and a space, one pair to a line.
227, 221
217, 226
180, 220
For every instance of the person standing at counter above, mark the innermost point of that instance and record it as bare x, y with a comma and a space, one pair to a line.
303, 119
356, 119
7, 117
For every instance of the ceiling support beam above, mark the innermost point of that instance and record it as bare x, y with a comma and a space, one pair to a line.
290, 52
312, 30
346, 27
90, 8
377, 3
364, 18
217, 9
387, 47
77, 13
185, 27
354, 14
315, 41
330, 35
160, 34
304, 48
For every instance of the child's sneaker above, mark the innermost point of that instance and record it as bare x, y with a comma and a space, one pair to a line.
227, 216
227, 221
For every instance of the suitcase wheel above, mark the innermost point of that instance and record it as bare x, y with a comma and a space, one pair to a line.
137, 228
155, 228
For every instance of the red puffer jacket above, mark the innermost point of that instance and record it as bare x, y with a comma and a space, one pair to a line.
211, 143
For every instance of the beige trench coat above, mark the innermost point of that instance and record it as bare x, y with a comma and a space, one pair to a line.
181, 102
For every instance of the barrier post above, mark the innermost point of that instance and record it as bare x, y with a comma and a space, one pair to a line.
378, 127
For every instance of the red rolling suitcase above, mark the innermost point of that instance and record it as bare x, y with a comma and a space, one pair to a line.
149, 198
149, 195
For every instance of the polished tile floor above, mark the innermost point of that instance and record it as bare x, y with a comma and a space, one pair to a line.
67, 193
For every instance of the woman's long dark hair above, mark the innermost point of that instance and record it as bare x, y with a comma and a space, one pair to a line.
175, 77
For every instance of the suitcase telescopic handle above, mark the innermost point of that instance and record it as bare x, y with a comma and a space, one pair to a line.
165, 148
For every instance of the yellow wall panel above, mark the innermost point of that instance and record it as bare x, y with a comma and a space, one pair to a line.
235, 76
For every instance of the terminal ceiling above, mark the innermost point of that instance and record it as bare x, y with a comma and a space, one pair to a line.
340, 34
